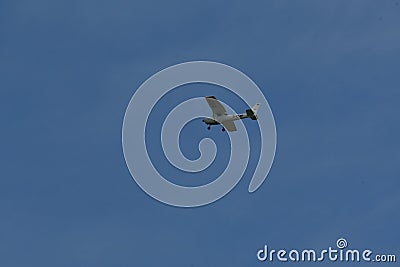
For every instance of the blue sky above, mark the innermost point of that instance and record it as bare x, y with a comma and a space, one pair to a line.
69, 68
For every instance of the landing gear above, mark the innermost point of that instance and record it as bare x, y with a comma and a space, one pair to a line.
223, 129
209, 127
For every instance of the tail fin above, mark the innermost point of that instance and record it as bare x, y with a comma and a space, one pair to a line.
252, 113
255, 108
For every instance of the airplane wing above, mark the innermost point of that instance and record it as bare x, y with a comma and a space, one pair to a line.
216, 107
230, 126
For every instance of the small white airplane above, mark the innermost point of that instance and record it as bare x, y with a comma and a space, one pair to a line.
221, 117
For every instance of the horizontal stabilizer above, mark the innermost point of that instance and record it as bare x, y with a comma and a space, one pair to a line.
251, 114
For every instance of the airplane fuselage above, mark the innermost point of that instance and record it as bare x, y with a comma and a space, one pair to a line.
220, 119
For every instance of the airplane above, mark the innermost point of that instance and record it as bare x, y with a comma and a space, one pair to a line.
221, 117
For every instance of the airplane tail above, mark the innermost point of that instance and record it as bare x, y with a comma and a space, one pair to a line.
252, 112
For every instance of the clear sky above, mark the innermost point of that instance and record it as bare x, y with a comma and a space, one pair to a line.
329, 69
